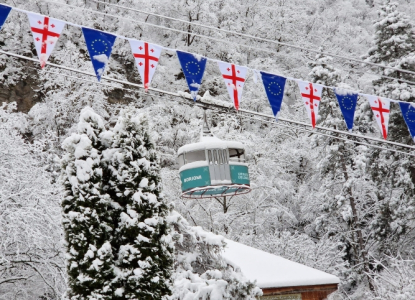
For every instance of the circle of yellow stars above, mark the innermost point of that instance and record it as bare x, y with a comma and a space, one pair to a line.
190, 72
103, 43
412, 112
277, 86
350, 101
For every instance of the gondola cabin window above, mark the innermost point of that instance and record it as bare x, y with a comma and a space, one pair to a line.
237, 155
181, 160
194, 156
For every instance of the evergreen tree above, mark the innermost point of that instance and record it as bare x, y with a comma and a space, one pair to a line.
86, 221
394, 44
141, 242
200, 270
344, 206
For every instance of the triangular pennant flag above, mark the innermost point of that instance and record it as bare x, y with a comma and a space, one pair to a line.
274, 87
347, 101
381, 109
46, 32
4, 13
146, 57
99, 46
193, 68
408, 113
311, 94
234, 77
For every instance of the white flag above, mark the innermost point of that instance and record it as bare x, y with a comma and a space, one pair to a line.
234, 77
46, 32
311, 95
146, 57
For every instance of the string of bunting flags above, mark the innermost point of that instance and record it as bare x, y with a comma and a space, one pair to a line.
46, 32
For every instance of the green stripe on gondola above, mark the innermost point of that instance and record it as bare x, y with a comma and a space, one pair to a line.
239, 174
197, 177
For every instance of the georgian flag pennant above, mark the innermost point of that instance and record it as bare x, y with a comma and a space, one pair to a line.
234, 77
347, 102
99, 46
274, 87
46, 32
381, 109
193, 67
146, 57
311, 95
408, 113
4, 13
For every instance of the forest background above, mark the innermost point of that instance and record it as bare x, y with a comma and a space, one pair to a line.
338, 207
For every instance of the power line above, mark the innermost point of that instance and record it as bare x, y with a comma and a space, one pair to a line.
203, 104
252, 37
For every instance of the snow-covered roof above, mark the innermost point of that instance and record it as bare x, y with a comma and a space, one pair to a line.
210, 142
272, 271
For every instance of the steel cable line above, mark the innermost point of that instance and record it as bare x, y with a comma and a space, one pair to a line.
199, 35
181, 31
203, 104
252, 37
221, 111
248, 46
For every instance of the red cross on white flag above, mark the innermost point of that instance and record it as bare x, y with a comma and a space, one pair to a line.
381, 108
146, 57
234, 77
311, 94
46, 32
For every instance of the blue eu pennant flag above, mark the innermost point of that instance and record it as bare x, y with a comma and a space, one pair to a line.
4, 13
408, 113
193, 68
99, 46
274, 87
347, 104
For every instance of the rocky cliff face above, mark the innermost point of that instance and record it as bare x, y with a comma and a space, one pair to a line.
25, 92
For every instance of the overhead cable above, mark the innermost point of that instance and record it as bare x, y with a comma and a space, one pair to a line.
215, 104
254, 37
189, 102
204, 36
169, 49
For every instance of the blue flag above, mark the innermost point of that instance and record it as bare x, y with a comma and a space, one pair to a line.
347, 102
99, 46
193, 68
408, 113
4, 13
274, 87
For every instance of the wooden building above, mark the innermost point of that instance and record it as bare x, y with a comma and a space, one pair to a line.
280, 278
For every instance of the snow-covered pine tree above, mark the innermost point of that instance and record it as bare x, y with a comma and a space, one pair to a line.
86, 221
142, 245
339, 208
394, 173
200, 270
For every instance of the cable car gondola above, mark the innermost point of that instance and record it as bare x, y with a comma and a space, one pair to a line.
213, 168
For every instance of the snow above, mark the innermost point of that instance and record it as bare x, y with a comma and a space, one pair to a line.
195, 164
210, 143
101, 58
272, 271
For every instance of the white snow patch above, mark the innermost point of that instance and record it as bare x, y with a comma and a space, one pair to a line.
143, 183
198, 56
271, 270
101, 58
119, 292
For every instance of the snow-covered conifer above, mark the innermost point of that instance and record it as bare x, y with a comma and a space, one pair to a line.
200, 271
141, 243
88, 230
394, 44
